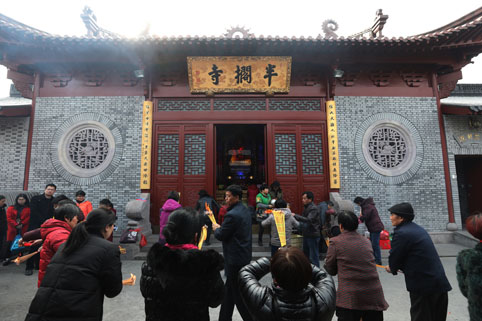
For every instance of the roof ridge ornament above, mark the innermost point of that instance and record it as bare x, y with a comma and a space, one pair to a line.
374, 31
231, 32
329, 27
93, 29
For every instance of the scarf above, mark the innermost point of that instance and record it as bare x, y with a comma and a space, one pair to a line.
182, 246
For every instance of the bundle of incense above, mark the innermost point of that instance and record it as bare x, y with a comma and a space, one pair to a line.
202, 238
130, 281
210, 213
20, 259
122, 250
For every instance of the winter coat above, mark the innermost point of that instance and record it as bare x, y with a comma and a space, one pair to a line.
350, 255
12, 222
74, 286
262, 202
181, 284
41, 209
415, 255
169, 206
54, 233
311, 221
213, 205
85, 207
469, 264
235, 233
3, 221
274, 303
370, 216
277, 195
290, 222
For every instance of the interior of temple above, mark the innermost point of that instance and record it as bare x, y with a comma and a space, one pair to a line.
240, 155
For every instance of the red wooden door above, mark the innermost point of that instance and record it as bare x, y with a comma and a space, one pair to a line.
182, 159
298, 161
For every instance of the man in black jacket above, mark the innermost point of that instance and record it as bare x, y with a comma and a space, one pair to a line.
310, 228
414, 254
41, 209
235, 233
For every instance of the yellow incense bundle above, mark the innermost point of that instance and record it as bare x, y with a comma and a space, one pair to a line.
279, 219
210, 213
202, 238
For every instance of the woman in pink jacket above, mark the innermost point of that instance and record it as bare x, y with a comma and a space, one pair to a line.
169, 206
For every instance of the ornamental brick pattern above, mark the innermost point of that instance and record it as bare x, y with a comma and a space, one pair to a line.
239, 104
285, 149
312, 155
195, 154
295, 104
13, 138
184, 105
168, 154
123, 183
425, 189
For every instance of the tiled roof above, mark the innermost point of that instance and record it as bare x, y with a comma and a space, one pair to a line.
460, 33
14, 101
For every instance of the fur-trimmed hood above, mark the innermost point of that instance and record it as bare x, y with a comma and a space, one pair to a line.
181, 284
191, 262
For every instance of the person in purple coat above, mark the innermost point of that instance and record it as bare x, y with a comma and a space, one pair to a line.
171, 204
369, 215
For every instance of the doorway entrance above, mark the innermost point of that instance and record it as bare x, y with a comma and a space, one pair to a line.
469, 180
240, 155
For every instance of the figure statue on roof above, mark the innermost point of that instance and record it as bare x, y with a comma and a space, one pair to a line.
329, 27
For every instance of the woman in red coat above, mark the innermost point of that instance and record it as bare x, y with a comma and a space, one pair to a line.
18, 216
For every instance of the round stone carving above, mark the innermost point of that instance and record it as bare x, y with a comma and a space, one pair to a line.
88, 148
389, 148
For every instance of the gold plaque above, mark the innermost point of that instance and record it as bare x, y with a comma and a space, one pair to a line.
333, 144
239, 74
146, 145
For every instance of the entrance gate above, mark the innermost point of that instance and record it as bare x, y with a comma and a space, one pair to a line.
184, 142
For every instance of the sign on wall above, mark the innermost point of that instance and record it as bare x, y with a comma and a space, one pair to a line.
333, 144
146, 145
239, 74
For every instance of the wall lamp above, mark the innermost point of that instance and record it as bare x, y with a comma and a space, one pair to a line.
338, 73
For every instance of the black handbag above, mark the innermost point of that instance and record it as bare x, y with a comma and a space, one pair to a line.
129, 236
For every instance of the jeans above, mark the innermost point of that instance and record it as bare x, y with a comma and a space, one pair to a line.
375, 239
311, 249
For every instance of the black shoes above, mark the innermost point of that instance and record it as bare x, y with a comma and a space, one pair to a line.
7, 262
28, 272
260, 243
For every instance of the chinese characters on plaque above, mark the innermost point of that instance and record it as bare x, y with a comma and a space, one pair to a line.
146, 145
239, 74
333, 144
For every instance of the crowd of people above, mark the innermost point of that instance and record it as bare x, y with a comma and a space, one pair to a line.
68, 241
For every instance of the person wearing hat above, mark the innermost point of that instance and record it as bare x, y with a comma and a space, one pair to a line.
413, 253
84, 205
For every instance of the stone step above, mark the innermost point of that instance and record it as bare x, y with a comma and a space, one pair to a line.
465, 238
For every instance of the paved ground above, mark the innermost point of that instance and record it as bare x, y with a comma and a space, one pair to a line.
17, 290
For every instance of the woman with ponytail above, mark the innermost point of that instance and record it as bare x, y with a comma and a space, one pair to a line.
180, 282
84, 270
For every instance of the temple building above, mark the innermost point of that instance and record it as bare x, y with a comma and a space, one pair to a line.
363, 115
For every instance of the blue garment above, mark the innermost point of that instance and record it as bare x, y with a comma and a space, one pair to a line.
375, 239
414, 254
311, 249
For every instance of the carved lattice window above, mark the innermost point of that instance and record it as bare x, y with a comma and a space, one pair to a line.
88, 148
387, 147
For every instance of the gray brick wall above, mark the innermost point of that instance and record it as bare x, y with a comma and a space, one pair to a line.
426, 189
455, 126
123, 184
13, 150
